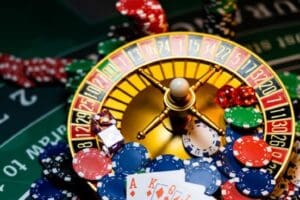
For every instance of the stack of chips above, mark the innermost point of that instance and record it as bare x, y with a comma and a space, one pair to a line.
125, 32
76, 72
27, 73
148, 14
220, 17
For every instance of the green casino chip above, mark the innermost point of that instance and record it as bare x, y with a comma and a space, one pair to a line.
80, 67
73, 82
70, 99
297, 128
291, 82
109, 45
221, 7
243, 117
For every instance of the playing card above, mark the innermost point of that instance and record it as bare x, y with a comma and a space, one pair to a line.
190, 191
169, 185
143, 186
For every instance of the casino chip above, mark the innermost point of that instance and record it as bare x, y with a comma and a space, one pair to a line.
76, 71
112, 187
220, 17
224, 178
229, 191
226, 162
130, 159
291, 82
297, 130
255, 182
243, 117
77, 67
42, 189
201, 140
130, 7
13, 69
203, 173
252, 151
232, 134
165, 162
125, 31
200, 159
53, 150
148, 14
296, 108
59, 169
91, 164
108, 46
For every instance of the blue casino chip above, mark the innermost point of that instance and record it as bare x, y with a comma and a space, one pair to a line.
232, 134
255, 182
198, 159
224, 177
54, 150
165, 163
133, 157
203, 173
42, 189
112, 187
226, 162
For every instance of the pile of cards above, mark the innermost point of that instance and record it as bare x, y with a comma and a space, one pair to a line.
167, 185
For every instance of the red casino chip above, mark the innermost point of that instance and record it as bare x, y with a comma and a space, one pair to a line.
130, 7
149, 15
13, 69
91, 164
229, 191
57, 65
252, 151
36, 69
153, 18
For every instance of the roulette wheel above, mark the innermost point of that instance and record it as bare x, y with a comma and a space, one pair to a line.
156, 85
